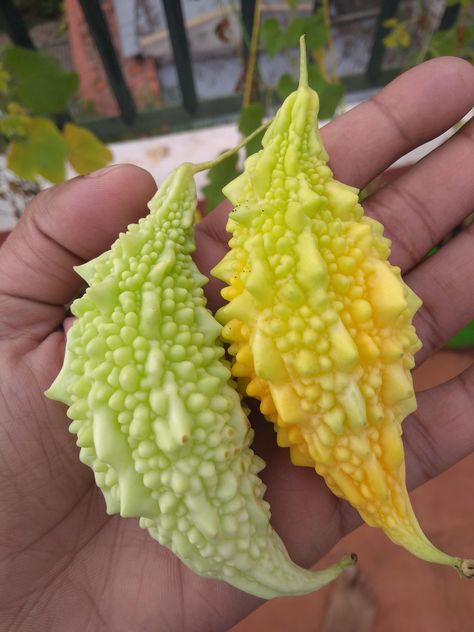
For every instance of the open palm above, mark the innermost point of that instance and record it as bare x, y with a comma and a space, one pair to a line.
65, 564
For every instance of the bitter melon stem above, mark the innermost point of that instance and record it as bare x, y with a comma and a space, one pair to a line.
202, 166
303, 83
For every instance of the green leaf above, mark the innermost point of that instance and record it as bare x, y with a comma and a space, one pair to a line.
271, 34
390, 23
457, 41
42, 153
38, 81
292, 4
218, 176
312, 27
464, 338
398, 36
443, 43
250, 118
316, 31
286, 85
452, 3
330, 94
296, 28
86, 152
14, 125
431, 252
275, 39
4, 78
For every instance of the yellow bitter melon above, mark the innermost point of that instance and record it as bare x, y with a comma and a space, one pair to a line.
319, 323
154, 410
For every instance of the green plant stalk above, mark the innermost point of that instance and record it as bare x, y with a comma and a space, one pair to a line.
202, 166
425, 46
251, 62
330, 43
318, 58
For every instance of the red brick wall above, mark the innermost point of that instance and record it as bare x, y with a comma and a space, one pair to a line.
140, 73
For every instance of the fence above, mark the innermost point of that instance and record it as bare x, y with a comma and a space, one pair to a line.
191, 111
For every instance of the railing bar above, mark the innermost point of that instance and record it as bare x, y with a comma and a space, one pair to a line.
387, 10
247, 12
103, 41
449, 17
15, 25
176, 118
181, 53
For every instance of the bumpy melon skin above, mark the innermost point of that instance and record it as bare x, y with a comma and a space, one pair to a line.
155, 414
319, 323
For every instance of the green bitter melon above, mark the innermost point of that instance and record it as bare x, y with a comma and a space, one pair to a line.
154, 410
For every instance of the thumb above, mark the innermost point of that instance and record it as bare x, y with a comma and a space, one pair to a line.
63, 227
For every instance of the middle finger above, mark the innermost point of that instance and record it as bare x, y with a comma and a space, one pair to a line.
421, 206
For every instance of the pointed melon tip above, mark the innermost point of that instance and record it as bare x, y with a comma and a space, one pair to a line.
55, 394
300, 581
49, 393
303, 83
221, 272
84, 271
319, 579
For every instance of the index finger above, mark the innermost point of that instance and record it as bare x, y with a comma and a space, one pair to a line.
415, 108
63, 227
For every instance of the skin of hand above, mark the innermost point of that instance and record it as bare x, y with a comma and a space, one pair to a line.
65, 564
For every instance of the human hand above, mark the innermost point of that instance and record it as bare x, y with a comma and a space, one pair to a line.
65, 564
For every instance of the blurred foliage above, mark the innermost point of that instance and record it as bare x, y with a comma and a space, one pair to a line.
42, 151
250, 119
32, 86
398, 36
37, 80
464, 338
218, 176
85, 151
418, 33
36, 11
456, 41
274, 39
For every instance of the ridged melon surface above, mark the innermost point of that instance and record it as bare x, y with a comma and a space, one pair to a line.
319, 322
155, 413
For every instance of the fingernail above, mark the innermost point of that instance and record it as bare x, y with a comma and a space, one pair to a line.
102, 172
